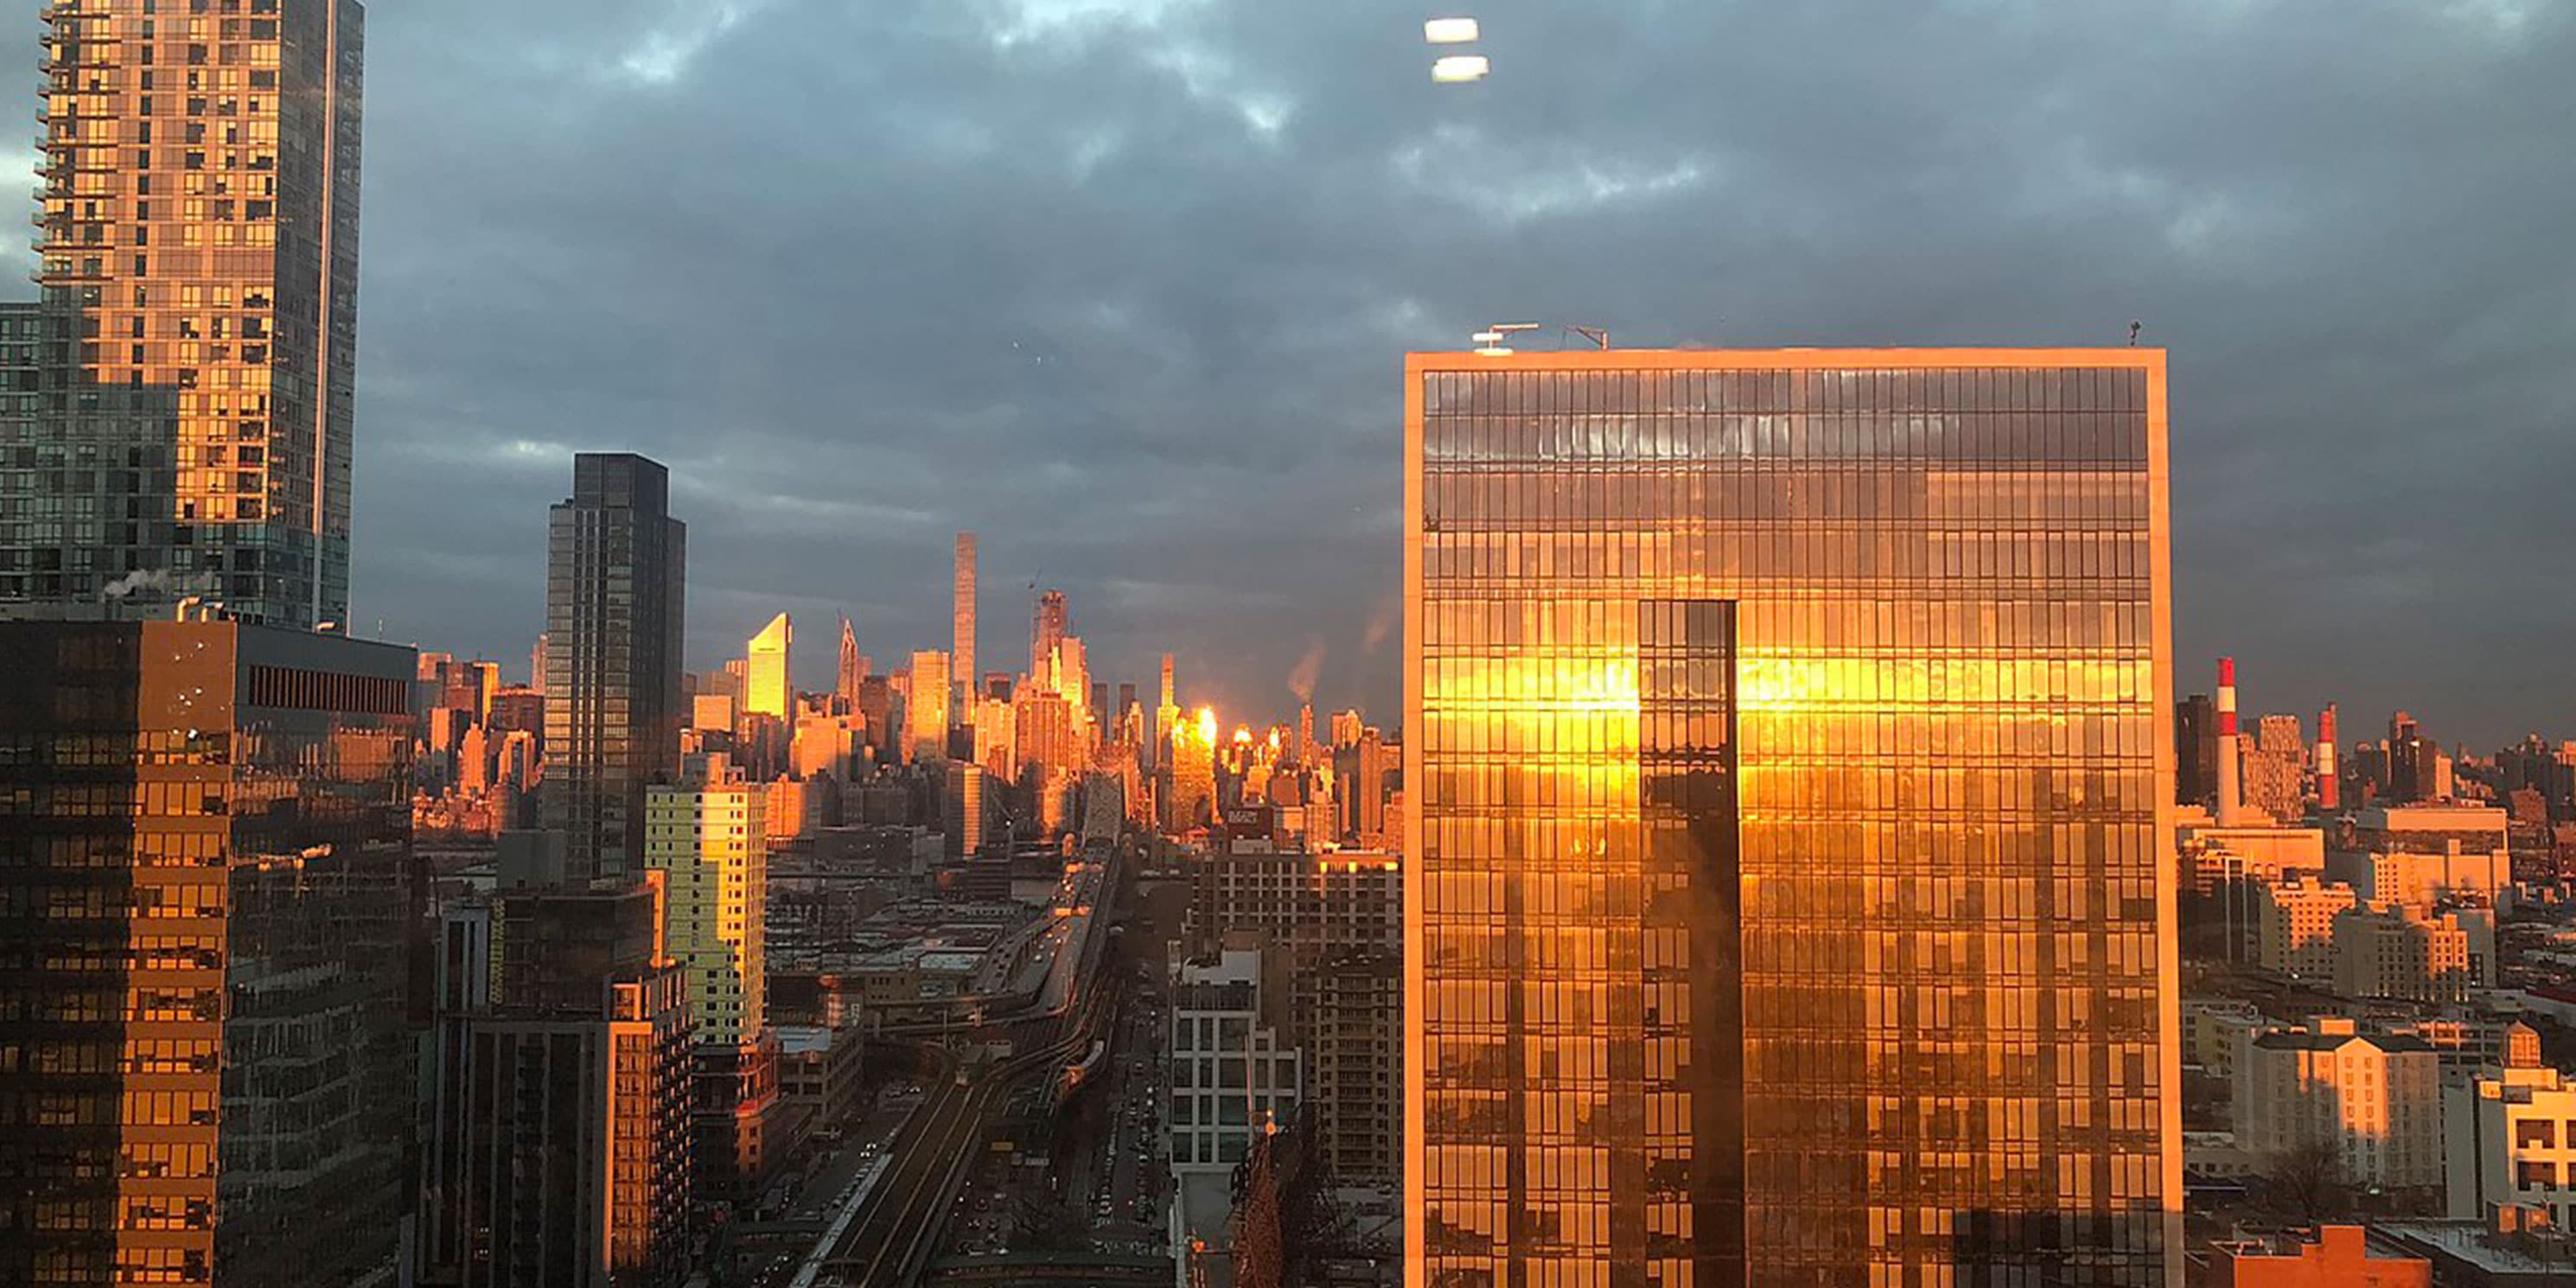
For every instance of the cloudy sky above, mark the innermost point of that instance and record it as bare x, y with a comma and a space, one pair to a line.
1123, 286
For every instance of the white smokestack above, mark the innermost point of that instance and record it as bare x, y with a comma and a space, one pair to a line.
2231, 793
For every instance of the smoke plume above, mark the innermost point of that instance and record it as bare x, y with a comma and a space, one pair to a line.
143, 579
1301, 681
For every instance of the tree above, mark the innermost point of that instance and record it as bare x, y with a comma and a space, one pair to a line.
1048, 1223
2310, 1181
1288, 1224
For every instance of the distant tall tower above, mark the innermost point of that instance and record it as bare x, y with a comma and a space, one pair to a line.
198, 432
1046, 631
2410, 760
537, 664
1166, 716
2231, 764
616, 568
852, 670
961, 643
772, 684
1193, 751
926, 712
2329, 793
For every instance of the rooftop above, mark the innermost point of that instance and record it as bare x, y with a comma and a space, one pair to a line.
2471, 1242
2311, 1041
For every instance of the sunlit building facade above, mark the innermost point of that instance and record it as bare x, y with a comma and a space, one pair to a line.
711, 841
2373, 1099
961, 627
198, 256
770, 688
926, 711
1788, 741
207, 906
1192, 802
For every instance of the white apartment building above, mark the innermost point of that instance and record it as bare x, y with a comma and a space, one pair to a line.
2509, 1136
2376, 1097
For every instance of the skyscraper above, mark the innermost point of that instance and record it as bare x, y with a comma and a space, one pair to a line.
1786, 735
709, 839
1167, 715
616, 569
852, 669
771, 684
1193, 797
2410, 760
926, 712
200, 236
962, 809
2196, 751
557, 1149
207, 903
710, 842
961, 650
1047, 627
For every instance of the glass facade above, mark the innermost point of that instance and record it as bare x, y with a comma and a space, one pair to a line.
207, 910
556, 1114
199, 259
1784, 902
616, 598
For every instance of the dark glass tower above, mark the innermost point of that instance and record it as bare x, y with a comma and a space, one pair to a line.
556, 1125
207, 911
616, 563
199, 266
1787, 737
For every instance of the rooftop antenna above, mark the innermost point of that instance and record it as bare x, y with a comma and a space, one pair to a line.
2134, 328
1489, 342
1599, 336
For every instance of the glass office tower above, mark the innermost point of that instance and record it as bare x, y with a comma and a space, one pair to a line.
617, 568
1787, 733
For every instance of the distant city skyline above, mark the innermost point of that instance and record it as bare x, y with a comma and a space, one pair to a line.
1173, 403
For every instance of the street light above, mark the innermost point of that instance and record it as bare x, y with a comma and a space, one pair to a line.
1449, 31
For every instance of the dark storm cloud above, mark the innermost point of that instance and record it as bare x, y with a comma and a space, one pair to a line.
1123, 286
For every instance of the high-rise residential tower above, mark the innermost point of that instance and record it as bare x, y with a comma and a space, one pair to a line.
557, 1147
207, 905
961, 649
769, 682
709, 839
616, 567
1786, 741
709, 843
198, 256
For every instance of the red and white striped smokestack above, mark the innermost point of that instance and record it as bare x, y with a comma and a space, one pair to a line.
2231, 794
2328, 794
